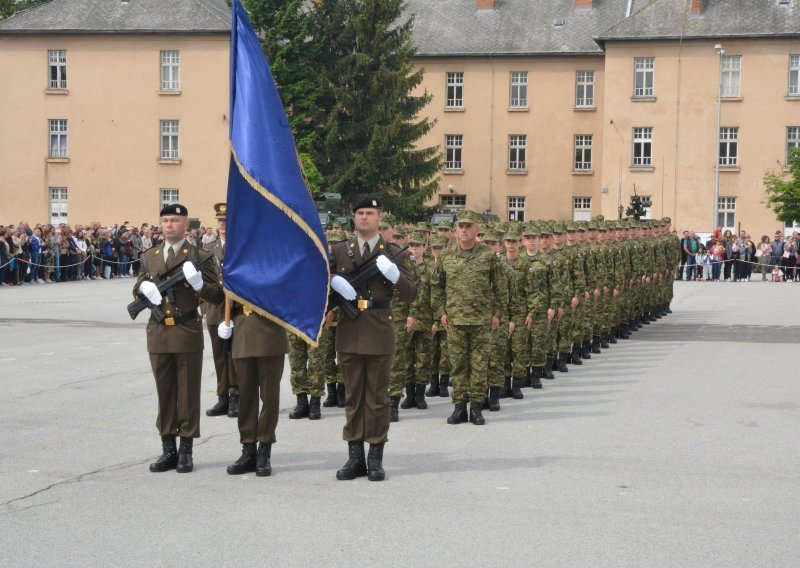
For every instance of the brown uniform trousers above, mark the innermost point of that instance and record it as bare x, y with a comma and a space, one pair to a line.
176, 351
365, 345
259, 349
215, 314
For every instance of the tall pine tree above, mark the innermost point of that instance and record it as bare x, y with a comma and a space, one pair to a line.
370, 118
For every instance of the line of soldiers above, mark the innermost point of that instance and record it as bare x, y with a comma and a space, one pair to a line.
523, 300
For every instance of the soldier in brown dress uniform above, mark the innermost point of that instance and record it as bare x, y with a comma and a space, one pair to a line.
227, 391
365, 345
175, 345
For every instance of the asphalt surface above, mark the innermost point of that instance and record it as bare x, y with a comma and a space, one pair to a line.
676, 448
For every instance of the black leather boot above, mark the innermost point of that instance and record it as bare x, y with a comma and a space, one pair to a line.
548, 369
233, 405
340, 395
527, 382
375, 462
301, 410
586, 350
314, 412
411, 397
668, 310
246, 462
623, 331
494, 399
220, 408
475, 415
505, 392
645, 319
537, 374
444, 382
562, 362
185, 464
433, 390
604, 341
394, 413
422, 404
331, 399
459, 414
356, 464
169, 456
516, 385
576, 354
263, 465
596, 345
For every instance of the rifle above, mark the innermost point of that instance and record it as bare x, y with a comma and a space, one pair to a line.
165, 283
358, 278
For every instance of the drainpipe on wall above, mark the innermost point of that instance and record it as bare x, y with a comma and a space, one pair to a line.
491, 136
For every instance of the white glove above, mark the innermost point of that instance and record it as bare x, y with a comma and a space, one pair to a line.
388, 268
150, 290
343, 287
194, 278
225, 331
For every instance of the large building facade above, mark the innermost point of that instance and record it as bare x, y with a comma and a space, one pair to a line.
566, 108
111, 109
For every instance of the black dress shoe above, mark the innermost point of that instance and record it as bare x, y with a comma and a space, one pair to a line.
246, 462
220, 408
356, 464
185, 464
169, 457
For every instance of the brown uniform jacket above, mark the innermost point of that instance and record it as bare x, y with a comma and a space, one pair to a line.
186, 337
256, 336
215, 313
372, 333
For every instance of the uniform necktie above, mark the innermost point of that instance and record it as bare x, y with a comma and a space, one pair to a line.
170, 257
366, 249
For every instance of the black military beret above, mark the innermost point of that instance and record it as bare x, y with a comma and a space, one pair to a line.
365, 202
174, 209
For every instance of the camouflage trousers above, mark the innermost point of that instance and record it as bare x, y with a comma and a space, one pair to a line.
400, 375
419, 356
322, 362
468, 347
565, 327
542, 340
498, 352
299, 359
518, 352
440, 362
579, 328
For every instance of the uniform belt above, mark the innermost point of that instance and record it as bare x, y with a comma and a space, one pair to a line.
177, 320
362, 305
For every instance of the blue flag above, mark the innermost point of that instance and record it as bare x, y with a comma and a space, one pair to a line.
276, 256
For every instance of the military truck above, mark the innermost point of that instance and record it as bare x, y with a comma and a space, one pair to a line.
331, 215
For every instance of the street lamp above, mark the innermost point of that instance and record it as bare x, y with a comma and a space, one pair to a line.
720, 52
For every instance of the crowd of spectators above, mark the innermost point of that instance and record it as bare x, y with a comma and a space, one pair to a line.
60, 253
725, 256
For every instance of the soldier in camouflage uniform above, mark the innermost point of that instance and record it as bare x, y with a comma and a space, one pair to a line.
440, 362
469, 297
545, 312
498, 350
419, 323
518, 345
400, 375
566, 259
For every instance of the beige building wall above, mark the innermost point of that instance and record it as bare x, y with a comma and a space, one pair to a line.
486, 122
113, 107
684, 121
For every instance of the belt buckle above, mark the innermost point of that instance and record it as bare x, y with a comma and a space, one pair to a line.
169, 321
363, 304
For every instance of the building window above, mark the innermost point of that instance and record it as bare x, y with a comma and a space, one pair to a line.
731, 67
169, 140
726, 212
729, 146
452, 201
794, 75
643, 146
584, 89
792, 140
519, 89
516, 208
58, 205
646, 210
453, 144
58, 138
168, 196
455, 90
581, 208
644, 68
583, 152
516, 152
58, 68
170, 71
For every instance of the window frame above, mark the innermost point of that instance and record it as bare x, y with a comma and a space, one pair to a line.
60, 149
726, 205
172, 68
60, 67
462, 198
794, 69
728, 138
582, 149
730, 72
791, 141
644, 71
168, 152
645, 142
585, 84
521, 84
517, 146
164, 201
454, 143
515, 208
62, 199
454, 80
581, 208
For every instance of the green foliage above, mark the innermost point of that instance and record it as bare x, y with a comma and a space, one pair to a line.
9, 7
314, 179
783, 195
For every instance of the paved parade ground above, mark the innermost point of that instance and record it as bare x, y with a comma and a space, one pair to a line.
676, 448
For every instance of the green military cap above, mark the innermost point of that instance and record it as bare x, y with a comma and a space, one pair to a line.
581, 225
514, 232
667, 221
423, 226
531, 229
439, 242
572, 226
387, 220
544, 229
559, 227
400, 231
592, 225
599, 218
493, 236
444, 224
503, 227
467, 216
417, 238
